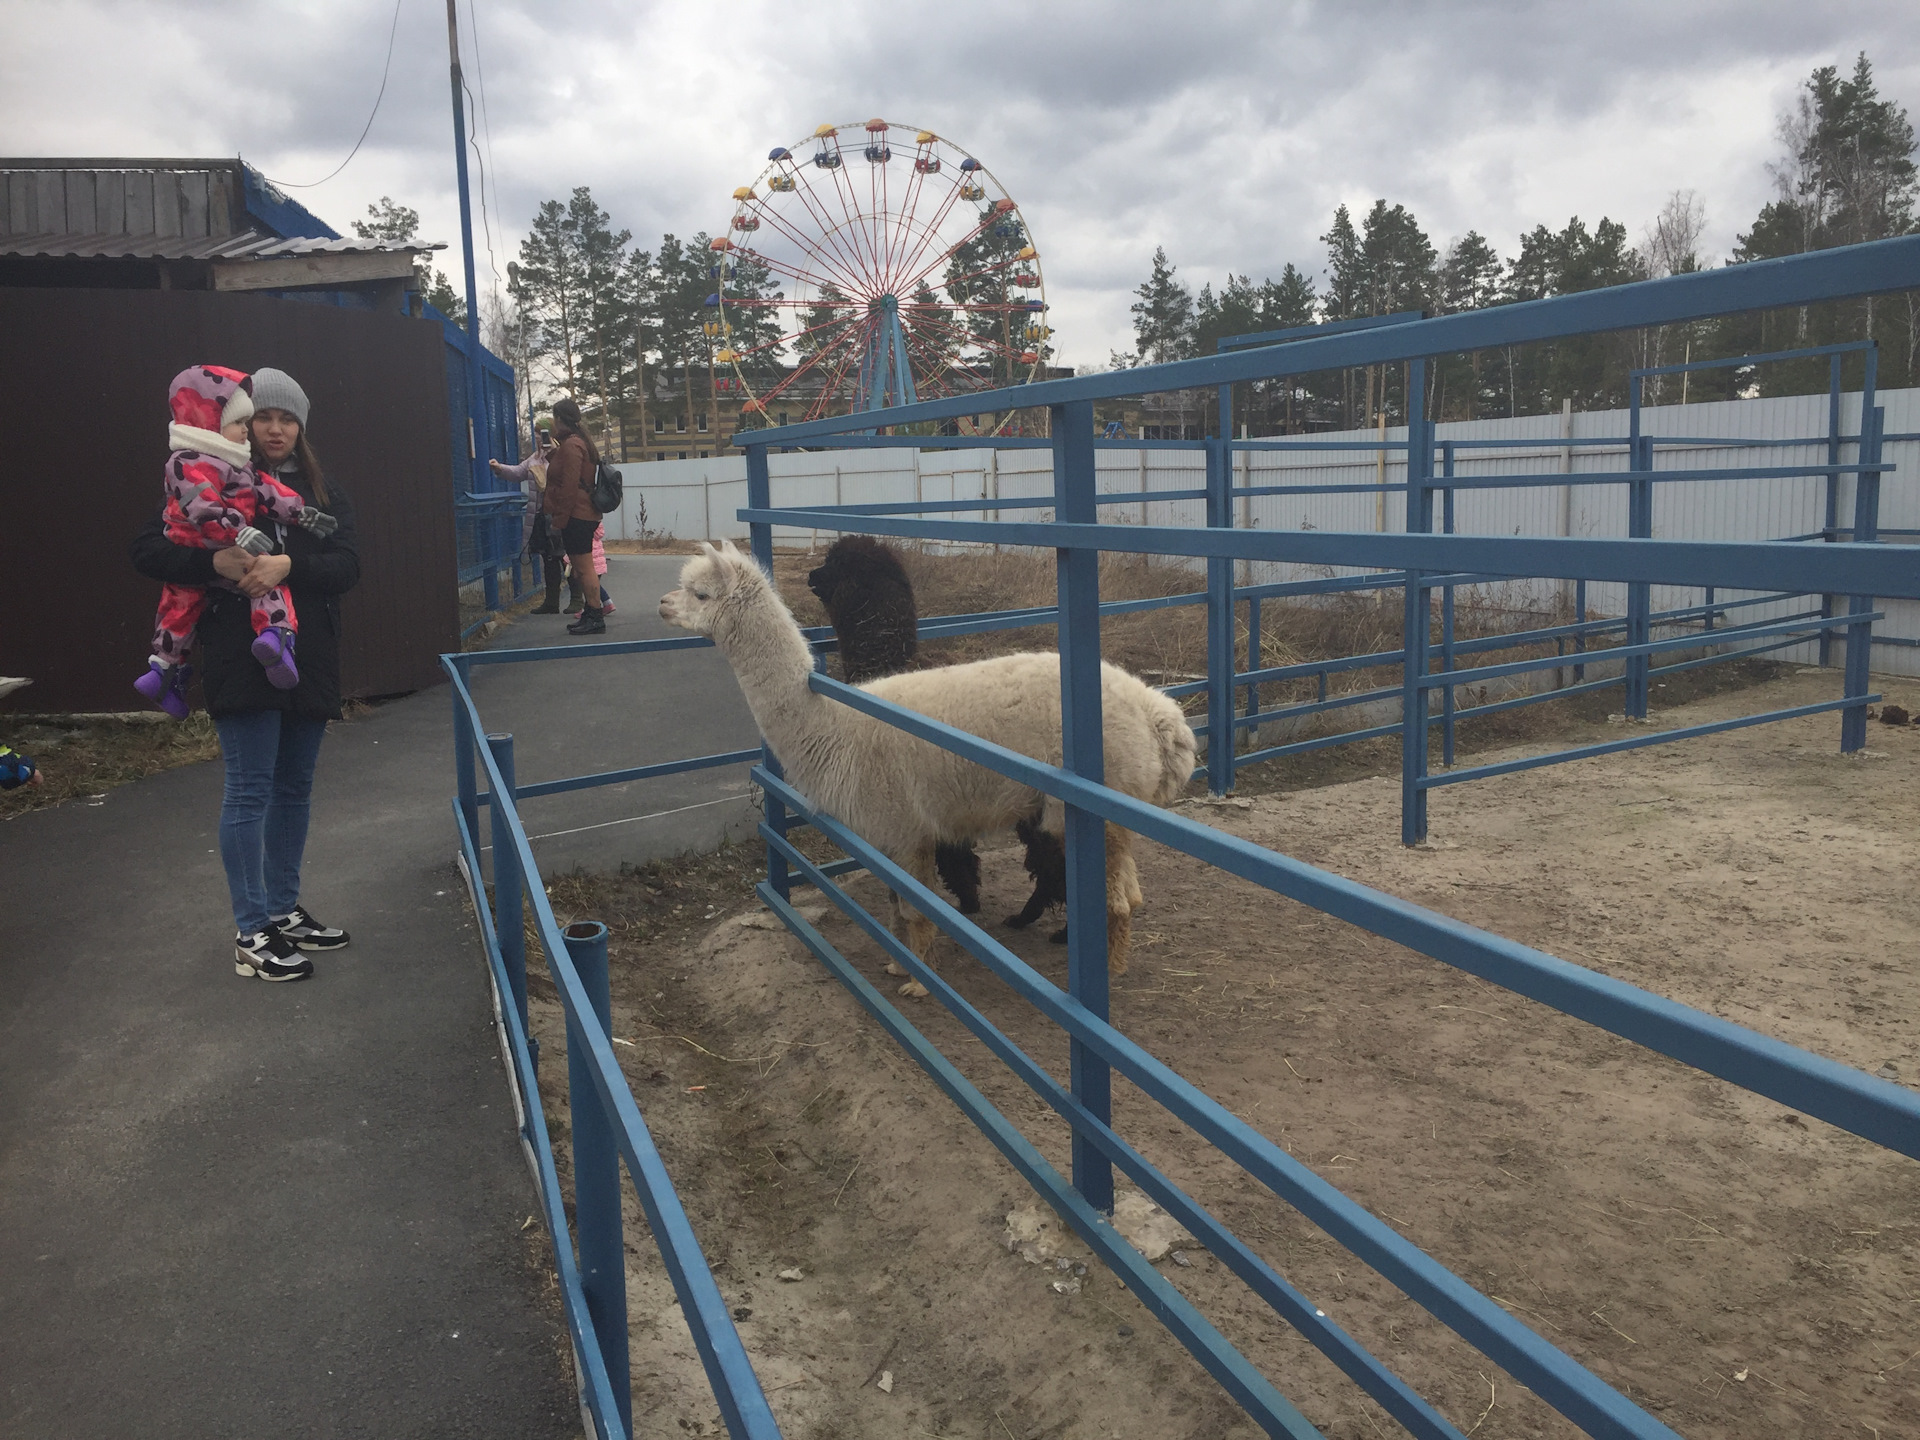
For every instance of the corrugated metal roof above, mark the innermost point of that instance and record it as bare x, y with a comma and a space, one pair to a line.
249, 245
159, 209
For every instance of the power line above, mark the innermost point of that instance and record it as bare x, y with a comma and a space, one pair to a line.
392, 30
486, 125
486, 226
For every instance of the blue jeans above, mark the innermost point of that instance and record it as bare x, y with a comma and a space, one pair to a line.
263, 820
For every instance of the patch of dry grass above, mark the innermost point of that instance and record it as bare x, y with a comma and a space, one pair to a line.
1170, 646
85, 758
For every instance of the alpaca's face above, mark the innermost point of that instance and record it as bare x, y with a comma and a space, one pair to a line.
704, 581
823, 581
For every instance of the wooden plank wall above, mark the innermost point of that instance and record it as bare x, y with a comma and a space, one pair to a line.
88, 401
169, 204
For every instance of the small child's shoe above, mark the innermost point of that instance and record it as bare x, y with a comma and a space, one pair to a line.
273, 648
165, 686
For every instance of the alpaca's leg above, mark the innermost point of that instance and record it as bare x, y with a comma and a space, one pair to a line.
959, 867
1036, 906
1130, 876
1121, 879
918, 930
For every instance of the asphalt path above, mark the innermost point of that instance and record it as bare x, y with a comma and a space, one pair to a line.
577, 717
233, 1208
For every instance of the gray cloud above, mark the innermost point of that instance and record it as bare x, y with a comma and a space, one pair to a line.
1226, 131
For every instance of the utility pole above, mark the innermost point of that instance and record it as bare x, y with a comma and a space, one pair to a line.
478, 441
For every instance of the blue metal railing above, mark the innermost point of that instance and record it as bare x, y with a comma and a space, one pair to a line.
488, 532
605, 1119
1882, 1112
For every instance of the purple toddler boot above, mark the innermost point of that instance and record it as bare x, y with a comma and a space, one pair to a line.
273, 648
166, 687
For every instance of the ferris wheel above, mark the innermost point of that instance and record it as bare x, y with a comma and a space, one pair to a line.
860, 271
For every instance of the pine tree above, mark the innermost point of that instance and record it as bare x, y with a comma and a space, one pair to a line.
1346, 279
979, 275
1345, 294
1163, 315
547, 285
607, 302
1286, 303
1468, 279
391, 224
1846, 175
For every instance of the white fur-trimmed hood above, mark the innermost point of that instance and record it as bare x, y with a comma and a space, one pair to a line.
209, 442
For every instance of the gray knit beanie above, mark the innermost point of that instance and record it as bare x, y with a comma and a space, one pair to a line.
277, 390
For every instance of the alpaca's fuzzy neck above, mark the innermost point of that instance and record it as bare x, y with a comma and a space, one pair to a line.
771, 660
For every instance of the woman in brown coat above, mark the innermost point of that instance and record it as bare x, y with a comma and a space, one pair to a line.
569, 507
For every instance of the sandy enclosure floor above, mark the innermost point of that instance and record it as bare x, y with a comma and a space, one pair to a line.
1737, 1269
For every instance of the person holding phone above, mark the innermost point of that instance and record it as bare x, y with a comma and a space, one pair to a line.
539, 539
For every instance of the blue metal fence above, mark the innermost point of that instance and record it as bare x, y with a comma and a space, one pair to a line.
1885, 1113
488, 513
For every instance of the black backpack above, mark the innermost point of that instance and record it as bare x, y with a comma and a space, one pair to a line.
607, 489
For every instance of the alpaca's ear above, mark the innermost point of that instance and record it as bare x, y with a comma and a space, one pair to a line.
727, 547
707, 550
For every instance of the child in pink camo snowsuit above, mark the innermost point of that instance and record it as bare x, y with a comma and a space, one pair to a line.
214, 495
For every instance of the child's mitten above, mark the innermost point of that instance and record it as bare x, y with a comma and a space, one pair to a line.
319, 522
254, 542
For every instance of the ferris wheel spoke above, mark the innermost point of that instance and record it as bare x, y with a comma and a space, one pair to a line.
857, 232
830, 232
927, 236
902, 234
845, 237
877, 211
806, 247
792, 335
810, 363
971, 338
936, 364
832, 387
898, 226
995, 267
927, 232
802, 243
800, 277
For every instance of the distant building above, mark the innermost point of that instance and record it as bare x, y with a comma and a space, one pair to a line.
669, 426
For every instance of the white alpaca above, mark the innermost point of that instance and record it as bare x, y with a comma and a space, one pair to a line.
903, 794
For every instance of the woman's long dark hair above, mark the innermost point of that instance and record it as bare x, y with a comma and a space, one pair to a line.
567, 413
305, 458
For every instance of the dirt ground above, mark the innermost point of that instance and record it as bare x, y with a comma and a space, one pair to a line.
1737, 1269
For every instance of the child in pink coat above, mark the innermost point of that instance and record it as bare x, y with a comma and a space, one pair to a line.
214, 496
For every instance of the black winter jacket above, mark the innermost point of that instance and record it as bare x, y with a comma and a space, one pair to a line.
233, 682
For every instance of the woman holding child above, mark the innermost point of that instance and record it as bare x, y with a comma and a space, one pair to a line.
271, 718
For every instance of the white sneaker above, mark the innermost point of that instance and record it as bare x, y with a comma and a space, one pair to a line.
268, 955
307, 933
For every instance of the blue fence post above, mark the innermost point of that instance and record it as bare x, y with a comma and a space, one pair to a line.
1580, 635
1253, 652
1417, 647
760, 497
596, 1172
1082, 737
1220, 637
1639, 527
1830, 526
1446, 623
1866, 530
509, 928
463, 772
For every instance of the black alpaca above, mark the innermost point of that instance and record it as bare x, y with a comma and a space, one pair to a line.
876, 621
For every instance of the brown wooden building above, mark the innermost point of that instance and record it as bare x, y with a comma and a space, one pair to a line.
116, 275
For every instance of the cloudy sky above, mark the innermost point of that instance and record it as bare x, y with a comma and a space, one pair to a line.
1227, 132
